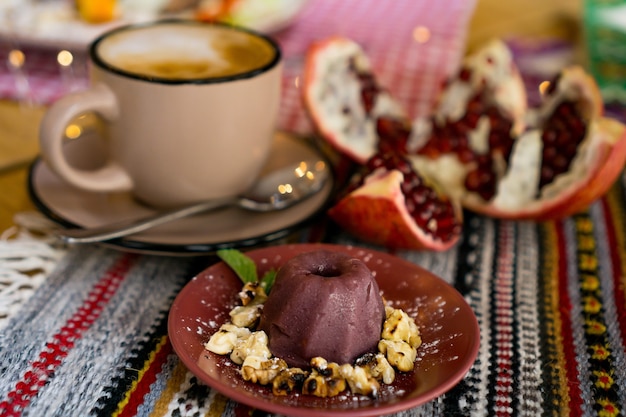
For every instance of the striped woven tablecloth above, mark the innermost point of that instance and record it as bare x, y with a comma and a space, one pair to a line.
550, 298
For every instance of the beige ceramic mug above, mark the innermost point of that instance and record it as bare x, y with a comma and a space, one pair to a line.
188, 109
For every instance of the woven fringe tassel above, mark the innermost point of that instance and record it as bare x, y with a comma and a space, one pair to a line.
27, 255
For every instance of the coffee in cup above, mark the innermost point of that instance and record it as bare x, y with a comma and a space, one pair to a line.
191, 52
188, 110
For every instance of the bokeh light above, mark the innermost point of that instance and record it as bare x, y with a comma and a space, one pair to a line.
16, 58
65, 58
421, 34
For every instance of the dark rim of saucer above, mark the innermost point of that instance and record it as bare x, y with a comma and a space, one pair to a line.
96, 60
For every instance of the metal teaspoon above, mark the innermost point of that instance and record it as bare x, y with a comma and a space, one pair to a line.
276, 190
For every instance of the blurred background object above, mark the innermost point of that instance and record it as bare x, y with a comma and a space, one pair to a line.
75, 23
525, 18
594, 29
262, 15
96, 11
605, 36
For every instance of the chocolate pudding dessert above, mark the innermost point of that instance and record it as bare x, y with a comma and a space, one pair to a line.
324, 304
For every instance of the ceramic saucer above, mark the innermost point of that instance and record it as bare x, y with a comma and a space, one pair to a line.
197, 235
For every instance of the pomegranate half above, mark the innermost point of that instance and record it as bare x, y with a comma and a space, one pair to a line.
344, 100
395, 207
569, 157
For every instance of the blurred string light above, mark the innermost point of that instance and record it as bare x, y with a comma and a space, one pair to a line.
421, 34
73, 131
65, 58
16, 58
285, 188
303, 170
543, 87
76, 129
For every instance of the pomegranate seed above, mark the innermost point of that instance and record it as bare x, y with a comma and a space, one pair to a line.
563, 139
577, 124
420, 198
411, 206
393, 135
465, 74
565, 111
549, 137
547, 174
446, 223
549, 152
475, 105
466, 155
484, 161
368, 97
460, 128
472, 119
563, 132
560, 163
571, 150
472, 181
369, 87
482, 181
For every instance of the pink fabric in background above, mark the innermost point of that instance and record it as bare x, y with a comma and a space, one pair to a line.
412, 71
384, 28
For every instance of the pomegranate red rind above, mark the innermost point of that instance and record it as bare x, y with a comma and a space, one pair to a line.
343, 99
376, 212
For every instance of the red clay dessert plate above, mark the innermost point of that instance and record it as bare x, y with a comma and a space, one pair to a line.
448, 327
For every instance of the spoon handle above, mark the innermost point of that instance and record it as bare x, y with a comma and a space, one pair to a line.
127, 227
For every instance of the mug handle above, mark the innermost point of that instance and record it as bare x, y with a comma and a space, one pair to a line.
97, 99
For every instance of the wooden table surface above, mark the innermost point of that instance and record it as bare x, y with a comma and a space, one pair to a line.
527, 18
531, 18
18, 146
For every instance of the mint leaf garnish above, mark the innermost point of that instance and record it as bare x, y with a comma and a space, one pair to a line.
242, 265
268, 280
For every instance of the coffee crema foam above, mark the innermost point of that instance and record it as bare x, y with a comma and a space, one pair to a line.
185, 52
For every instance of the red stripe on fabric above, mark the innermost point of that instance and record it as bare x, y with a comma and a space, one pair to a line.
61, 343
504, 319
565, 307
146, 379
616, 265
